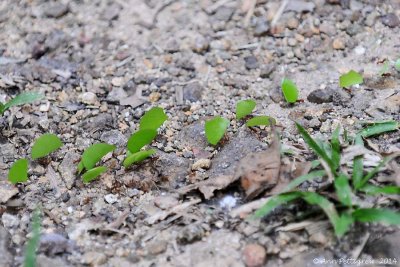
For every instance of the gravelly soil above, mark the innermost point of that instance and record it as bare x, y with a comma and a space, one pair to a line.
102, 64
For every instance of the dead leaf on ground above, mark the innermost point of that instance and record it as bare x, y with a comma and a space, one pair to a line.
208, 187
260, 171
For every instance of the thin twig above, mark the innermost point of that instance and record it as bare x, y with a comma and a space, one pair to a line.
279, 13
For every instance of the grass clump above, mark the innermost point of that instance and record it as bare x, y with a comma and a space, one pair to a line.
343, 209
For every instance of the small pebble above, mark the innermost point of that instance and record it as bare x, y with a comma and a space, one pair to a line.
390, 20
338, 44
201, 164
251, 62
254, 255
110, 198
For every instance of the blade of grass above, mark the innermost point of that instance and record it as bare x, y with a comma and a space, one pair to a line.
379, 128
335, 143
316, 148
375, 190
377, 215
33, 243
23, 98
274, 202
301, 179
343, 224
374, 171
358, 165
343, 190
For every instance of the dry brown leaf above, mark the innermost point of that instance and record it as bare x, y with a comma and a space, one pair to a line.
208, 187
260, 171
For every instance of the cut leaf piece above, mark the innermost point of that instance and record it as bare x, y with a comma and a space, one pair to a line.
244, 108
153, 119
397, 64
260, 120
140, 139
23, 98
350, 78
44, 145
290, 91
138, 157
19, 171
94, 153
215, 129
92, 174
379, 128
377, 215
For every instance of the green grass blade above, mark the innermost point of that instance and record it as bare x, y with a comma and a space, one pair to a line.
138, 157
2, 109
328, 207
343, 190
316, 148
343, 224
397, 64
44, 145
274, 202
92, 174
289, 90
94, 153
244, 108
350, 78
335, 143
153, 119
377, 215
140, 139
372, 173
260, 120
379, 128
301, 179
215, 129
375, 190
358, 165
33, 243
18, 172
23, 98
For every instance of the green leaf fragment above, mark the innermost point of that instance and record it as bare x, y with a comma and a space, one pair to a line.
2, 109
372, 173
215, 129
33, 243
94, 153
397, 64
385, 68
138, 157
140, 139
358, 165
335, 143
260, 120
375, 190
92, 174
379, 128
377, 215
44, 145
23, 98
244, 108
153, 119
350, 78
18, 172
290, 91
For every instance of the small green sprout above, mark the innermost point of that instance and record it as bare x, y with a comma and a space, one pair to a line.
21, 99
44, 145
153, 119
350, 78
290, 91
215, 129
260, 120
33, 243
92, 174
18, 172
138, 157
93, 154
244, 108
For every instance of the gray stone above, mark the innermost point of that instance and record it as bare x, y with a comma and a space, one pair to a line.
193, 91
68, 169
9, 221
114, 137
52, 244
267, 70
191, 233
6, 258
261, 28
320, 96
386, 247
7, 151
56, 10
116, 95
251, 62
391, 20
172, 167
7, 191
224, 13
